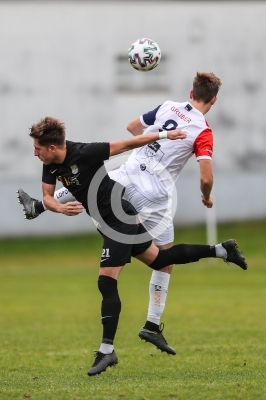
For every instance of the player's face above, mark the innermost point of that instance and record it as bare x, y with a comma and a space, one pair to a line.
45, 153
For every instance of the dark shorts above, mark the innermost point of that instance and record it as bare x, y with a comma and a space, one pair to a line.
116, 253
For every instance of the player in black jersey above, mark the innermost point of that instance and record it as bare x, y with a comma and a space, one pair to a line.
80, 167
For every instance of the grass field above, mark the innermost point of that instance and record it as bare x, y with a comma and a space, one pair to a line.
50, 323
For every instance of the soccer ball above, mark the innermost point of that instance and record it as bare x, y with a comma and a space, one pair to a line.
144, 54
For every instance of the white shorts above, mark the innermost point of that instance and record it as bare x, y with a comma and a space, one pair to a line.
156, 217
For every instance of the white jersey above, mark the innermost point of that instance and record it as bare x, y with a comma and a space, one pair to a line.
153, 169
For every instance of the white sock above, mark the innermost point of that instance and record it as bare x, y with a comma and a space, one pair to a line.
220, 251
158, 293
44, 206
106, 348
62, 195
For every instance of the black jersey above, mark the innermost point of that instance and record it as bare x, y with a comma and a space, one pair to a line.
84, 164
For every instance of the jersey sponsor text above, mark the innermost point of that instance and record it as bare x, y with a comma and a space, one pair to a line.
180, 115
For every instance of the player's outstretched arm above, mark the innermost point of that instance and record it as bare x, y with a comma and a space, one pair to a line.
138, 141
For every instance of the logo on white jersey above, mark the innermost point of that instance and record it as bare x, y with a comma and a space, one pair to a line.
143, 167
151, 157
188, 107
154, 146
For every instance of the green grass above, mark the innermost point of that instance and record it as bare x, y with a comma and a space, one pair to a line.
50, 323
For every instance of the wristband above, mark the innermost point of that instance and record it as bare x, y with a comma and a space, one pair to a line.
163, 135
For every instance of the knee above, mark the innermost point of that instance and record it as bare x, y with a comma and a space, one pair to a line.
174, 255
107, 286
167, 270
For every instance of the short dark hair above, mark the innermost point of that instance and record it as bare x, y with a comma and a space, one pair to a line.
49, 131
205, 86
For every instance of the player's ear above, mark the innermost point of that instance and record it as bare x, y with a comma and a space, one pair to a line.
53, 148
213, 100
191, 94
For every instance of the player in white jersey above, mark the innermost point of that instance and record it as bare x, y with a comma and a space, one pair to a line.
149, 176
153, 170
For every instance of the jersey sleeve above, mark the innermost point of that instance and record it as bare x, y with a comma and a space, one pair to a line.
149, 118
203, 145
47, 176
95, 152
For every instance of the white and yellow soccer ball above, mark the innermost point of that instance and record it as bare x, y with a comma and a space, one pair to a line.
144, 54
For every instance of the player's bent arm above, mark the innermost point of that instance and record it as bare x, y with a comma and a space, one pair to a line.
135, 127
48, 198
71, 208
206, 178
129, 144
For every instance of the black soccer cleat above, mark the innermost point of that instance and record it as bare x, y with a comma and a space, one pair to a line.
234, 255
157, 339
28, 204
101, 362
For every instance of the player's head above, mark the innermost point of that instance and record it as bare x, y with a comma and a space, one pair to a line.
49, 131
205, 87
49, 139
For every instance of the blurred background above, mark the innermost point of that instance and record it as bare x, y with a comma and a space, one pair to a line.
68, 59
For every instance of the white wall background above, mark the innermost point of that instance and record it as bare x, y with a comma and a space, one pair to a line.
60, 59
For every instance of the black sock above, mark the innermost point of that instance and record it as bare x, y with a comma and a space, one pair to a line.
111, 307
39, 208
151, 326
182, 254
